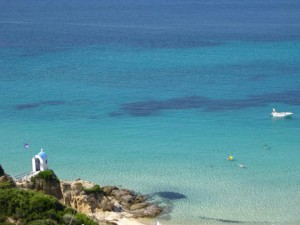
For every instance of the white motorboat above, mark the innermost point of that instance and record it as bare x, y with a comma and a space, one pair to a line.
281, 114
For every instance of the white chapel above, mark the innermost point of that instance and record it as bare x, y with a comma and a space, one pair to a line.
40, 162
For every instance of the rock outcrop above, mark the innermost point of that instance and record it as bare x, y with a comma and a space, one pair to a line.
109, 202
106, 204
45, 181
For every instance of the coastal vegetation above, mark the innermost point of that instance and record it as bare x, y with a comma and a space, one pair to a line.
47, 175
30, 207
96, 189
5, 181
46, 200
46, 182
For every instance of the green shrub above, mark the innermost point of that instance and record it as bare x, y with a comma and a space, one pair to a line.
41, 203
6, 223
67, 218
2, 219
34, 208
1, 171
29, 205
69, 210
54, 215
47, 175
96, 189
78, 185
42, 222
5, 185
83, 219
78, 219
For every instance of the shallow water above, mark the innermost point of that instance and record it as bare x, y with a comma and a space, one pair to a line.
156, 104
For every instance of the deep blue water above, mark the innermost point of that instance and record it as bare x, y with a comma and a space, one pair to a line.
42, 26
153, 96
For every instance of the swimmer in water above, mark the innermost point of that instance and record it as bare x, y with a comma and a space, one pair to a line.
241, 165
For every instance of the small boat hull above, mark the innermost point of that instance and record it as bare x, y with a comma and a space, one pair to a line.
281, 114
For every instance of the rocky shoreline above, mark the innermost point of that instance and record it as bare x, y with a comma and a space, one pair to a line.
105, 205
110, 205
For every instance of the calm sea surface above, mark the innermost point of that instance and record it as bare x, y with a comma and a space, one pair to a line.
153, 96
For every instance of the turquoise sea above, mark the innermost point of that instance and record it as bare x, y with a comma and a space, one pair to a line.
153, 96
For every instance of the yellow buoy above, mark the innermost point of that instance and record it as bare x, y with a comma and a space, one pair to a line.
230, 158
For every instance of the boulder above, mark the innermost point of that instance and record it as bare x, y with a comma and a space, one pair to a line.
140, 198
110, 201
108, 189
65, 187
152, 211
127, 200
139, 206
120, 193
106, 204
47, 182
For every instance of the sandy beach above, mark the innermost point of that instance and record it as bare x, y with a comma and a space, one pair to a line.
122, 218
126, 221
